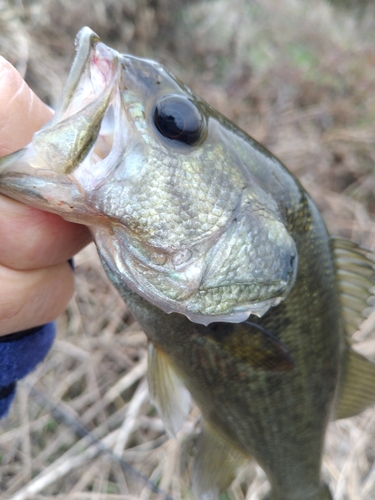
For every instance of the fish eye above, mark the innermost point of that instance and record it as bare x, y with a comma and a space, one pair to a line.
177, 118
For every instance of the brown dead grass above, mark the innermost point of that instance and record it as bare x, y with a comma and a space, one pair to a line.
298, 76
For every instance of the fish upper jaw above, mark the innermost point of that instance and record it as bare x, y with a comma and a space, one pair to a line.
67, 140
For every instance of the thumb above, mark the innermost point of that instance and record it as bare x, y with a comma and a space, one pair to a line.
21, 112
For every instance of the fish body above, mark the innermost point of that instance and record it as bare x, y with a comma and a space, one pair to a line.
221, 256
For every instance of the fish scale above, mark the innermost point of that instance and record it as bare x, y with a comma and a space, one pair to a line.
167, 185
279, 433
221, 256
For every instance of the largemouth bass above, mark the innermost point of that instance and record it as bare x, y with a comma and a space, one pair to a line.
221, 256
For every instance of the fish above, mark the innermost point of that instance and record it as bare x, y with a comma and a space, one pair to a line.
223, 258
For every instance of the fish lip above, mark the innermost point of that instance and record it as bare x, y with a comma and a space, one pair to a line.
92, 55
84, 42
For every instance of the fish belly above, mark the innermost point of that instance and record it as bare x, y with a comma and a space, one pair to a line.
279, 418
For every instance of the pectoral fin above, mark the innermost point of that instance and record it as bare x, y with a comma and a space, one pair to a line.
215, 465
357, 391
249, 343
167, 391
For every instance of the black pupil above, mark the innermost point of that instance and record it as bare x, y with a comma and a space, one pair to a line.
177, 118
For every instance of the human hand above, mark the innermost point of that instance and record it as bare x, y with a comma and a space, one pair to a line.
36, 281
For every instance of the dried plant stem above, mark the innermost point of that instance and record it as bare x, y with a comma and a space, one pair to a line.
139, 398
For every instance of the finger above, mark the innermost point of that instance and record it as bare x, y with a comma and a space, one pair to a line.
33, 298
21, 111
31, 238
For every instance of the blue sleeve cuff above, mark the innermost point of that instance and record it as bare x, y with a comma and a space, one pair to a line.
19, 354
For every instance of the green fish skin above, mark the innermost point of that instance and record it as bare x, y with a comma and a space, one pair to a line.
221, 256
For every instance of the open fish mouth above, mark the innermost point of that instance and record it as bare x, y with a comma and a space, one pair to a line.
65, 142
137, 157
79, 135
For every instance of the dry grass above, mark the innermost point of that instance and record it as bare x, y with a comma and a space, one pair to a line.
298, 76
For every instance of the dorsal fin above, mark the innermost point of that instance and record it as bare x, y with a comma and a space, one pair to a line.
167, 391
357, 386
216, 463
355, 274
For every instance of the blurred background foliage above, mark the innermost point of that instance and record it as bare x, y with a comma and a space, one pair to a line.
297, 75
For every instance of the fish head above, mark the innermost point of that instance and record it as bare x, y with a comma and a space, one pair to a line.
156, 174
